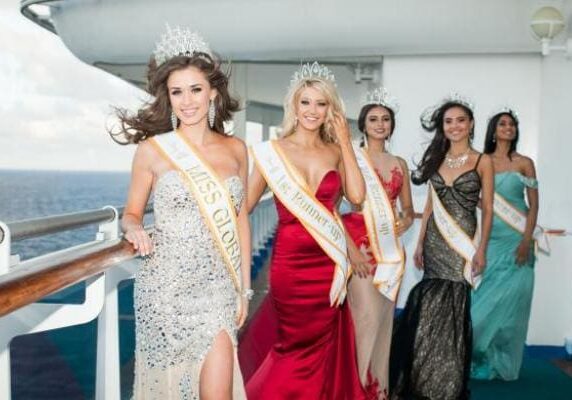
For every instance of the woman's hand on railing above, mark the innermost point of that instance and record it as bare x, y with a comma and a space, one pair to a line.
140, 240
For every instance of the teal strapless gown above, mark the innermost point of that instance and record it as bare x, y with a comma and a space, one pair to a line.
501, 305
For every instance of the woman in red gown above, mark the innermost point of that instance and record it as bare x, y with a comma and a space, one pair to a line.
305, 347
372, 310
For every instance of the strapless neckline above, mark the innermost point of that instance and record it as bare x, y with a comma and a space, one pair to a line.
174, 171
317, 190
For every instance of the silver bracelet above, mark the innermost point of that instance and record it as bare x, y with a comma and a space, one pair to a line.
247, 294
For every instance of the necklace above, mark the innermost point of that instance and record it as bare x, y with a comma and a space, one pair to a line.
458, 161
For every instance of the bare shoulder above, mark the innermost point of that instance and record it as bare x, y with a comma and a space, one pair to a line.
525, 165
236, 144
524, 160
146, 153
334, 148
402, 163
486, 162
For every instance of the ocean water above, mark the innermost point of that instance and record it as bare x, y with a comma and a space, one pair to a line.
60, 364
32, 194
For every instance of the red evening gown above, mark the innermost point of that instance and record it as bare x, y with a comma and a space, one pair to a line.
297, 346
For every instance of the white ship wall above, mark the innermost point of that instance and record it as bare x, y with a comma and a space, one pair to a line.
539, 88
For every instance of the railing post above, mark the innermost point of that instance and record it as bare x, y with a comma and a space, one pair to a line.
5, 249
5, 375
109, 230
108, 381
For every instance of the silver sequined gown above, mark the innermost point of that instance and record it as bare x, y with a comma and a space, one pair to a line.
184, 297
432, 339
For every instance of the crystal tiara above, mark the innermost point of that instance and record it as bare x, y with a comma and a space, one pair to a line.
504, 110
179, 42
382, 97
312, 71
451, 98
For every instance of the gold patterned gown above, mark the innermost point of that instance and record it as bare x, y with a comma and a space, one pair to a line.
184, 297
432, 339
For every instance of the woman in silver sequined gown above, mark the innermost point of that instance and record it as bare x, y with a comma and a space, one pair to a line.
183, 295
187, 309
431, 346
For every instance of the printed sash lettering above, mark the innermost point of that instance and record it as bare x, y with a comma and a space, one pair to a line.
212, 197
456, 237
293, 192
516, 219
380, 223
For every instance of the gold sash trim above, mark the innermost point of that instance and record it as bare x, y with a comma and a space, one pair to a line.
380, 223
455, 237
516, 219
294, 193
212, 197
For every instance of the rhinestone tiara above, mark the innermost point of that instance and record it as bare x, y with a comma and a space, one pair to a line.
504, 110
451, 98
179, 42
382, 97
458, 98
312, 71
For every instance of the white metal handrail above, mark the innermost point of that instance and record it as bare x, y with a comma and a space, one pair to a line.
101, 298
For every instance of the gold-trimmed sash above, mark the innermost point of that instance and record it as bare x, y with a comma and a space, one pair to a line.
324, 226
516, 219
455, 237
380, 223
212, 197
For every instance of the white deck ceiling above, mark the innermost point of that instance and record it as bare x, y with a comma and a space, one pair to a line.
119, 34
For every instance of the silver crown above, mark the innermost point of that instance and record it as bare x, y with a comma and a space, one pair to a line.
179, 42
382, 97
451, 98
458, 98
504, 110
312, 71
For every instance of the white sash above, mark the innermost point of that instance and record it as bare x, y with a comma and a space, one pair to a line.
456, 237
212, 197
293, 192
516, 219
380, 223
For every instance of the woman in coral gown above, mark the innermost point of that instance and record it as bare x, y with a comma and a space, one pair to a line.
309, 351
372, 296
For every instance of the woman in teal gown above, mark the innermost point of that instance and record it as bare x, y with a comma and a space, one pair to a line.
501, 305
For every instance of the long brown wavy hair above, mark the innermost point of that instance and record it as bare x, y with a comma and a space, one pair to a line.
155, 116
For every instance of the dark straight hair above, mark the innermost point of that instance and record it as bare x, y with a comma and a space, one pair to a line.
490, 138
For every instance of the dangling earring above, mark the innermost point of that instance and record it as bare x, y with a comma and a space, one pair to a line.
295, 122
494, 138
174, 120
211, 114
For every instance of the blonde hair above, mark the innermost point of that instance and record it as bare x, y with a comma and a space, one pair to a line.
335, 105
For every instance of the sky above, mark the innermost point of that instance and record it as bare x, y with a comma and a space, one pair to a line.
55, 109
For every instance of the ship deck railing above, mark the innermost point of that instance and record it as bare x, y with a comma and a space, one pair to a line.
101, 265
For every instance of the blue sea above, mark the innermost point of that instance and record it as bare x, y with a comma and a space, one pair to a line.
60, 364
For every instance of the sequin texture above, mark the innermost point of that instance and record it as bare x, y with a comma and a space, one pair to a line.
184, 295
